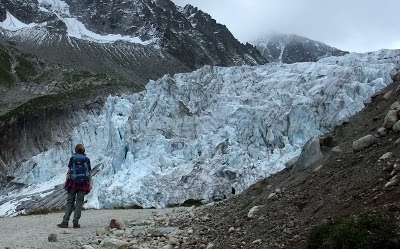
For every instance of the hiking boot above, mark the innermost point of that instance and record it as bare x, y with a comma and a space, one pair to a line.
76, 225
63, 224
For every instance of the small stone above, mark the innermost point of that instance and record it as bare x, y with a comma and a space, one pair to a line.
101, 231
317, 169
192, 241
210, 246
87, 247
272, 195
252, 212
117, 223
52, 237
386, 156
257, 241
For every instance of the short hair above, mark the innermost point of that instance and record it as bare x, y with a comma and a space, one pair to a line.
79, 148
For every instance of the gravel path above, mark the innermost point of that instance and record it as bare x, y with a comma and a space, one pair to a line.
32, 231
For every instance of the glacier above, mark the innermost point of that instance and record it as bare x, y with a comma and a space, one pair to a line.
196, 135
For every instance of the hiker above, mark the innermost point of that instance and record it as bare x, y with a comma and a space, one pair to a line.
77, 185
233, 191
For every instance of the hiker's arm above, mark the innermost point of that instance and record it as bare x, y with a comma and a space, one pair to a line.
68, 173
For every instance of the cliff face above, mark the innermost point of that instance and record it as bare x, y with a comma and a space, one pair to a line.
188, 34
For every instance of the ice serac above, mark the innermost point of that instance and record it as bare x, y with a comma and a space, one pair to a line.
196, 135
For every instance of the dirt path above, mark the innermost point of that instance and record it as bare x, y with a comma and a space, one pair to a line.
32, 231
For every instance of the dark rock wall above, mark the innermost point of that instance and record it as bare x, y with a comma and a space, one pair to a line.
29, 134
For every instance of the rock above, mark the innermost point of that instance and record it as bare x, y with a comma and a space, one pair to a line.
87, 247
310, 154
112, 243
287, 230
395, 169
210, 246
205, 218
386, 156
363, 143
257, 241
390, 119
272, 195
252, 211
101, 231
317, 169
388, 94
173, 241
192, 241
118, 233
336, 149
395, 106
395, 73
382, 132
117, 223
52, 237
396, 126
232, 229
392, 182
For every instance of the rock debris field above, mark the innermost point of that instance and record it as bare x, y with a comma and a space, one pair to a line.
125, 228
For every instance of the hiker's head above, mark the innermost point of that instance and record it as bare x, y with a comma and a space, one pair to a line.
79, 148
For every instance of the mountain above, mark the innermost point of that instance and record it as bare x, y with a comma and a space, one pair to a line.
122, 44
61, 59
195, 135
290, 48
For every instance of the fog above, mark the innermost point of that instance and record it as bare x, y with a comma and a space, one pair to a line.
355, 26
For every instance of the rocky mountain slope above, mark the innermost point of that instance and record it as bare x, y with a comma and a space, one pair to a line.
290, 48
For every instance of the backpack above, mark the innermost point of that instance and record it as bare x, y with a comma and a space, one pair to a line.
80, 170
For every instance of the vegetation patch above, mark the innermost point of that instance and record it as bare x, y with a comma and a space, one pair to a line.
191, 202
370, 230
326, 141
45, 211
6, 78
133, 206
25, 70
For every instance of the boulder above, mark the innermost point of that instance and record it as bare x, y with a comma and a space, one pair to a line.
396, 127
395, 73
252, 211
363, 143
310, 154
390, 119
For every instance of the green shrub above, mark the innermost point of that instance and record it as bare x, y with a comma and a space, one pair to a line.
24, 69
326, 141
133, 206
44, 211
371, 230
191, 202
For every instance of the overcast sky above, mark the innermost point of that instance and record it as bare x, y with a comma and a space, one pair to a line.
352, 25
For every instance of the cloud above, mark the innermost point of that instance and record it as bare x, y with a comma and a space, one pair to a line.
356, 25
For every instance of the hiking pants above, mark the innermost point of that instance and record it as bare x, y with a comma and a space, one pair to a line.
80, 195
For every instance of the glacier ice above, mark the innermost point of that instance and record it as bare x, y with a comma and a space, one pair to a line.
198, 134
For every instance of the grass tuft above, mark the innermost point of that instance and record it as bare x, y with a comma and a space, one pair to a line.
370, 230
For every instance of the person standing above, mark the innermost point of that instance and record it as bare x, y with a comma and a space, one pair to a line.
77, 185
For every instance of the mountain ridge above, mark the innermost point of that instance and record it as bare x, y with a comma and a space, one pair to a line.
291, 48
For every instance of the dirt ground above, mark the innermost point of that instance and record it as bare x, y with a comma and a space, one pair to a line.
343, 182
